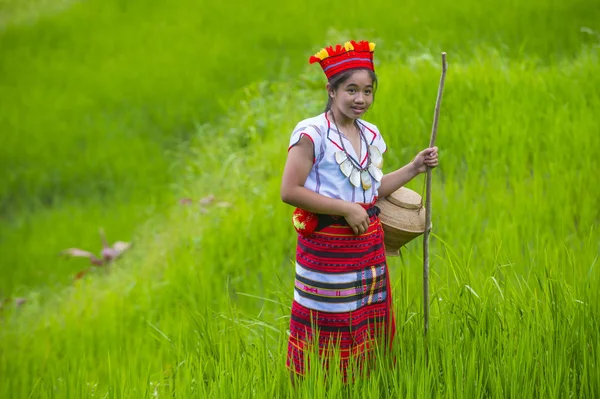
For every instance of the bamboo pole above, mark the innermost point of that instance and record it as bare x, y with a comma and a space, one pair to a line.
428, 203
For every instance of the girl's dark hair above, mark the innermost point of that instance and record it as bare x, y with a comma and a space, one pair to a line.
338, 79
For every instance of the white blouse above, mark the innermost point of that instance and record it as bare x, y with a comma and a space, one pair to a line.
325, 177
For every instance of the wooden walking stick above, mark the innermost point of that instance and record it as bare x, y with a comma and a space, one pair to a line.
428, 203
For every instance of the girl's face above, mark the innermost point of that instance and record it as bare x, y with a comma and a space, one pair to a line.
354, 96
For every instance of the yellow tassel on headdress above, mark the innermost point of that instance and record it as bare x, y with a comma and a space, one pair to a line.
361, 46
322, 54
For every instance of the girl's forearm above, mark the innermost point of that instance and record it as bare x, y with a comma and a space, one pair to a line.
394, 180
306, 199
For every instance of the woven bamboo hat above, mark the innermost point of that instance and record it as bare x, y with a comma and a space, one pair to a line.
402, 217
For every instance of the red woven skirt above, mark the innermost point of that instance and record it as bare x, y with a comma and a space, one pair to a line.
342, 297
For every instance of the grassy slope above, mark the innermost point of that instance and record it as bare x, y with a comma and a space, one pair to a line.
96, 98
201, 307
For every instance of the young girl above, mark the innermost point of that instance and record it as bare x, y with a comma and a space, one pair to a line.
342, 296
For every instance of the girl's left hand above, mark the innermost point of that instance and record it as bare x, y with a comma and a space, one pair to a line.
425, 158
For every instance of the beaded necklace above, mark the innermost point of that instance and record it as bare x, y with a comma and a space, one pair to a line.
352, 169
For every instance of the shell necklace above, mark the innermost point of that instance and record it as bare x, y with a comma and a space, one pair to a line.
352, 169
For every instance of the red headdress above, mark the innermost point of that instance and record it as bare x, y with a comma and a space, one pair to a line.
341, 58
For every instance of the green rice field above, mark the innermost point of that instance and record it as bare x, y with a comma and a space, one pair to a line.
166, 125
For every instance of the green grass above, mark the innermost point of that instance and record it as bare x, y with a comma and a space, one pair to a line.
200, 306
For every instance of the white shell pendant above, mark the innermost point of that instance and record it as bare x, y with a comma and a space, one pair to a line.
340, 156
365, 178
346, 167
355, 177
376, 157
375, 172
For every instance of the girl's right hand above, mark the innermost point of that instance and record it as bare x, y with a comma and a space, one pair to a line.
357, 218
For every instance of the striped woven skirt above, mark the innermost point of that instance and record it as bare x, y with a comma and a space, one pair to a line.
342, 297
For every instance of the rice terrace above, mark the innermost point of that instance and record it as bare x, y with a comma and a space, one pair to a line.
146, 252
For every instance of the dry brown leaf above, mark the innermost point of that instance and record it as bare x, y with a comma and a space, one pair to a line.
81, 274
107, 254
207, 200
80, 253
121, 246
76, 252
